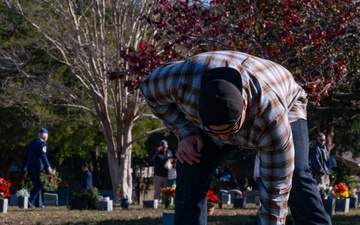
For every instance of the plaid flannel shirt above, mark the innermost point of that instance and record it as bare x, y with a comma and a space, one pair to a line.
274, 100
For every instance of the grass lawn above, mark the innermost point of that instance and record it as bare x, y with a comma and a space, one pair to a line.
137, 215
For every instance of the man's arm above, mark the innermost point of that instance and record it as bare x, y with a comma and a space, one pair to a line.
277, 157
44, 159
160, 95
172, 117
160, 90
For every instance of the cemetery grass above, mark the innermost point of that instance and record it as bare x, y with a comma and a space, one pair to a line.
137, 215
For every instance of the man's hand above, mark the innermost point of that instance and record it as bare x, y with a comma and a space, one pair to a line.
189, 149
49, 170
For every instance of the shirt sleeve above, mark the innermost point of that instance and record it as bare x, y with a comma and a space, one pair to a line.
277, 165
160, 92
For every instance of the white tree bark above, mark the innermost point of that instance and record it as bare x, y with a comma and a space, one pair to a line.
88, 37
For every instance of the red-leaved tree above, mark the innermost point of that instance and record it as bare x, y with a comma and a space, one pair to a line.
316, 40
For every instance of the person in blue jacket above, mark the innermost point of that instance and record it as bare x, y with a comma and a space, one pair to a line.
87, 177
34, 161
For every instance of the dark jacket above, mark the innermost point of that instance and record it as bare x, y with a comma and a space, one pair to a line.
320, 160
87, 180
35, 159
160, 158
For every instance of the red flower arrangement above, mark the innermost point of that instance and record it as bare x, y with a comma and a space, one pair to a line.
50, 181
341, 190
169, 191
212, 198
4, 188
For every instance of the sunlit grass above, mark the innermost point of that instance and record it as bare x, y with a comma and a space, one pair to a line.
136, 215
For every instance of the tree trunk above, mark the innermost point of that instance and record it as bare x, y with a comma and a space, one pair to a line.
120, 170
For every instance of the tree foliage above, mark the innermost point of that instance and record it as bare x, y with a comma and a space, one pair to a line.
14, 137
316, 40
88, 38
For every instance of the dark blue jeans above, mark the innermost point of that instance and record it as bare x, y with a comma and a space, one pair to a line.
193, 182
305, 201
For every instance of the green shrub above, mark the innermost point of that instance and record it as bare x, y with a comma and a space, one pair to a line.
91, 196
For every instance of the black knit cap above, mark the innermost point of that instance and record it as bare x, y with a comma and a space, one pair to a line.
220, 100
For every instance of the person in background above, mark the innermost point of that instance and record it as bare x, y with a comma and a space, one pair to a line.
35, 161
160, 156
87, 177
170, 165
320, 161
222, 101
